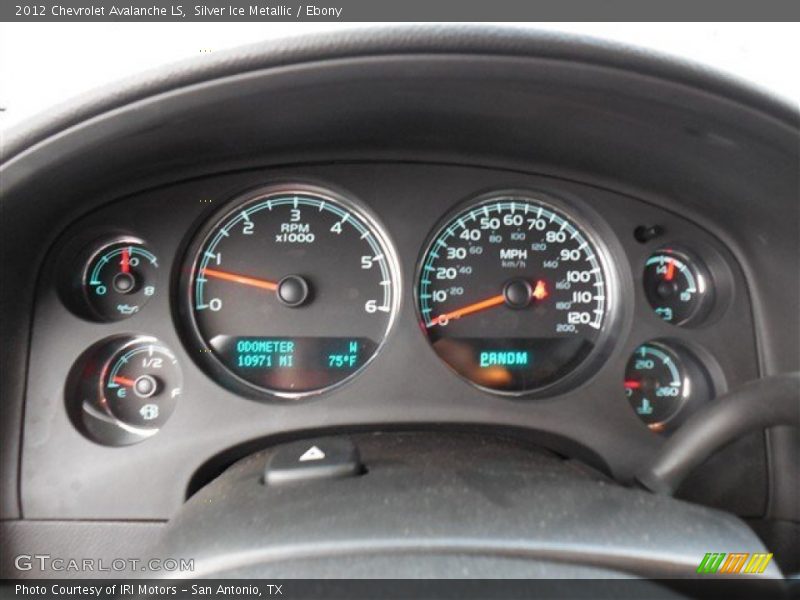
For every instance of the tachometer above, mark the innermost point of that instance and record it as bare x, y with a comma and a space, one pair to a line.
514, 294
291, 291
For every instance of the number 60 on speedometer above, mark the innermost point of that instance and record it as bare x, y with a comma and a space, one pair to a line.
514, 294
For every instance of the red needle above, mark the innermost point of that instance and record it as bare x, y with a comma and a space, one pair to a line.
123, 381
670, 270
633, 385
225, 276
126, 261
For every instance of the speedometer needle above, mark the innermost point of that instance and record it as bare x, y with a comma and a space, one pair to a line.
537, 292
468, 310
244, 280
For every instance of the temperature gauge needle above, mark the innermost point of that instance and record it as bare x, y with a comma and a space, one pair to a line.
244, 280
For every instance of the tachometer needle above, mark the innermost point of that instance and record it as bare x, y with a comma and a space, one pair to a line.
632, 385
468, 310
244, 280
124, 381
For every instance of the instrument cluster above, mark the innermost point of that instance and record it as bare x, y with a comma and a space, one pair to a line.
291, 289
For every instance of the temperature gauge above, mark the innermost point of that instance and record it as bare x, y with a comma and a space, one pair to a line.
119, 279
655, 384
126, 389
677, 287
666, 382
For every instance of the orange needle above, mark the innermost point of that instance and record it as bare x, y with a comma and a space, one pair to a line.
539, 293
224, 275
124, 381
468, 310
670, 270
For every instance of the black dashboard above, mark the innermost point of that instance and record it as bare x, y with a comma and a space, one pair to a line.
448, 231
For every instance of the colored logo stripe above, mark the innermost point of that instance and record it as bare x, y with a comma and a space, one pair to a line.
732, 563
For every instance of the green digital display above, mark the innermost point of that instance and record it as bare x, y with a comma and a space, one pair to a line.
274, 360
504, 358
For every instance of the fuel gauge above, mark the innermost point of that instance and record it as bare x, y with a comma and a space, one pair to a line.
124, 389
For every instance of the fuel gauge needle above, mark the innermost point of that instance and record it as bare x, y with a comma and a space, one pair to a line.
264, 284
123, 381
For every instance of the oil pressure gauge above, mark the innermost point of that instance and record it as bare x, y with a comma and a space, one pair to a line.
118, 279
124, 389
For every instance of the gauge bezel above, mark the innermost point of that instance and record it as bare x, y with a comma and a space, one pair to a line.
193, 338
595, 231
85, 392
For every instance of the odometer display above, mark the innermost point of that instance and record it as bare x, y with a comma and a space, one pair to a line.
291, 292
513, 294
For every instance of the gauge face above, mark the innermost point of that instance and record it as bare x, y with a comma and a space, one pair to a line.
119, 279
292, 291
513, 294
141, 383
677, 287
655, 384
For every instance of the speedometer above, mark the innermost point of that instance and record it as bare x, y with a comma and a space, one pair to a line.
514, 294
289, 292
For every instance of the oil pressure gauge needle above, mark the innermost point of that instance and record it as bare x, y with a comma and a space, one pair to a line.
126, 261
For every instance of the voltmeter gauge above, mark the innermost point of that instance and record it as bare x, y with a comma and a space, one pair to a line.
119, 278
677, 286
125, 389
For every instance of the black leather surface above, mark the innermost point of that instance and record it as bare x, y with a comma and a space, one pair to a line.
407, 40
